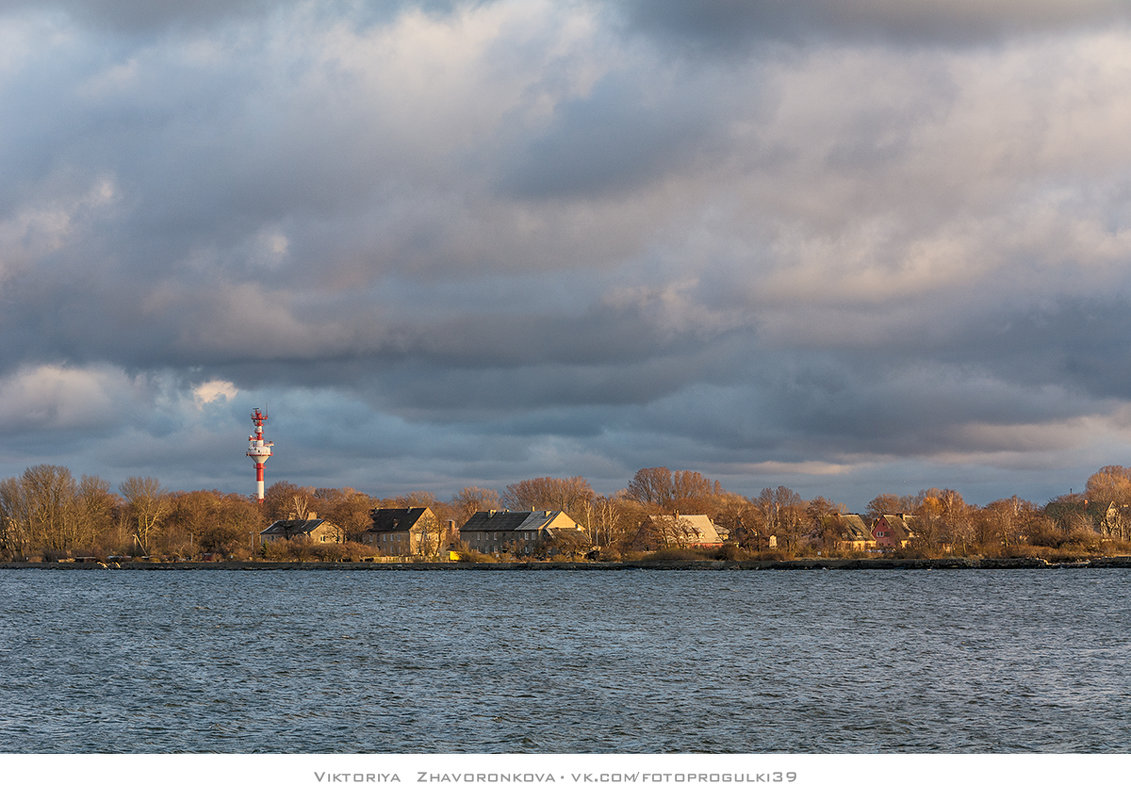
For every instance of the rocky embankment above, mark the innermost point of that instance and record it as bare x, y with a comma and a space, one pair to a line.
952, 563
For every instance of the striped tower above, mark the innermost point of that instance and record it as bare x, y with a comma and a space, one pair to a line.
258, 450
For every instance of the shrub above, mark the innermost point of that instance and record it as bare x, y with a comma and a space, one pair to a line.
769, 555
471, 555
730, 552
607, 553
676, 555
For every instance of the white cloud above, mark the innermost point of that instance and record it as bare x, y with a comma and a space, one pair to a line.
45, 226
59, 397
212, 391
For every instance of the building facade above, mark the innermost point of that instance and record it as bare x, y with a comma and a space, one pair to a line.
404, 531
893, 531
312, 529
534, 533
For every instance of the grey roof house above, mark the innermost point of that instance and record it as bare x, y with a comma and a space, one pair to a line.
313, 529
403, 531
520, 533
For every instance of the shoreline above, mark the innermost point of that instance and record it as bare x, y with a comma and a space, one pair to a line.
950, 563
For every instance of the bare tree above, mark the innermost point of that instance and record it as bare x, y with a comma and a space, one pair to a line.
146, 504
15, 519
570, 495
652, 487
348, 509
97, 508
671, 491
470, 500
784, 514
41, 508
284, 500
888, 504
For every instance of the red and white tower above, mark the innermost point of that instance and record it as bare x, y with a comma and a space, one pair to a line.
259, 450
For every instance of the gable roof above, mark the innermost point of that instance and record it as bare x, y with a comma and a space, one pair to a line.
897, 524
855, 529
291, 528
397, 519
518, 521
698, 526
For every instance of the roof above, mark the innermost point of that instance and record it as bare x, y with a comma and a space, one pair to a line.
399, 519
698, 526
518, 521
855, 529
290, 528
898, 524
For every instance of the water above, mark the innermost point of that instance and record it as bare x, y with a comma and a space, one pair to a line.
975, 661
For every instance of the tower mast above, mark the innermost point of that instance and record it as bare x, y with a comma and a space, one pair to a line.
258, 450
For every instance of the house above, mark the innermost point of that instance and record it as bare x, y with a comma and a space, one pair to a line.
851, 533
893, 531
682, 531
522, 533
312, 529
403, 531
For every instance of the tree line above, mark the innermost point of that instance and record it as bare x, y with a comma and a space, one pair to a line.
46, 513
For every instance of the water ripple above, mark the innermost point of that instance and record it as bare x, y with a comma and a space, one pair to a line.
640, 662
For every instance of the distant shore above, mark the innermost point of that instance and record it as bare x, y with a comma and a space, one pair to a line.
951, 563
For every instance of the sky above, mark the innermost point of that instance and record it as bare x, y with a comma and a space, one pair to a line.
851, 248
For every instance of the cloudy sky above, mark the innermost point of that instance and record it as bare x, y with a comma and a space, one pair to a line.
850, 247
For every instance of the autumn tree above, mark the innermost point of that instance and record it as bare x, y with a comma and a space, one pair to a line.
888, 504
98, 512
573, 496
731, 511
13, 525
672, 491
944, 520
470, 500
237, 519
651, 486
46, 510
1005, 523
284, 501
606, 520
1108, 485
347, 508
191, 519
40, 509
825, 522
784, 514
417, 498
146, 505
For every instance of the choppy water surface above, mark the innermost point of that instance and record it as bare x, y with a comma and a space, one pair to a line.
640, 661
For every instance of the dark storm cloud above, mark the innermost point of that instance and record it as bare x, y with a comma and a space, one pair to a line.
509, 242
148, 16
137, 16
611, 141
728, 23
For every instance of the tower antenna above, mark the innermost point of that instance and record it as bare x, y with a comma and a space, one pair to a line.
258, 450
